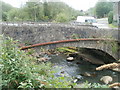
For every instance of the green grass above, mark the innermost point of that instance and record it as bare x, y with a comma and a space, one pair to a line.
113, 26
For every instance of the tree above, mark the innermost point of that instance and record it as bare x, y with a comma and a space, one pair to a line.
4, 16
5, 9
12, 14
103, 8
46, 10
110, 17
62, 17
39, 11
34, 11
91, 11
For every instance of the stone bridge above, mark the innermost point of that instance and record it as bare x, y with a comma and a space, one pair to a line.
52, 35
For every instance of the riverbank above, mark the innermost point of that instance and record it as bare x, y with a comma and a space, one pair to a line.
78, 68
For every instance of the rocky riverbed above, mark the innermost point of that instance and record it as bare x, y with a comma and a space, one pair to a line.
79, 68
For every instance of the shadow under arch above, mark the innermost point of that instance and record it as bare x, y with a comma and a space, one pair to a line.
95, 56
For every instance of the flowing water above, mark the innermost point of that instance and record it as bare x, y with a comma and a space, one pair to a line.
80, 70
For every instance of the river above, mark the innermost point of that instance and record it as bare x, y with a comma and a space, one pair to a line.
80, 70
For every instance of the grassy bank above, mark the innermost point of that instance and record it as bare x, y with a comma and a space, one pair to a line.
113, 26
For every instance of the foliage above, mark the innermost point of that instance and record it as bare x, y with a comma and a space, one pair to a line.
14, 64
97, 85
38, 11
114, 47
21, 71
113, 26
4, 16
5, 9
46, 9
110, 17
61, 17
34, 11
75, 36
66, 49
91, 85
91, 11
103, 8
13, 15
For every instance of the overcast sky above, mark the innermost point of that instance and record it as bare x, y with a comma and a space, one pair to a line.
77, 4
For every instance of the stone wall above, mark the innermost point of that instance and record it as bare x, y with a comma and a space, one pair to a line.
32, 34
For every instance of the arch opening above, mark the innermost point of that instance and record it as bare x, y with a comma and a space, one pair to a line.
95, 56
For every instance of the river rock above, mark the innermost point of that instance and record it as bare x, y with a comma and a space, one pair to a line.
75, 80
87, 74
64, 74
78, 77
116, 69
106, 79
43, 59
70, 59
36, 55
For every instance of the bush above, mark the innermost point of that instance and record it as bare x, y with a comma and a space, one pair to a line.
19, 70
61, 17
91, 85
110, 17
14, 64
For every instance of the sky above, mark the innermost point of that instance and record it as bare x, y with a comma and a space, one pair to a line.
76, 4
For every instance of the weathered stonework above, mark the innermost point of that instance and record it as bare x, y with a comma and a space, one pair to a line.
41, 33
52, 32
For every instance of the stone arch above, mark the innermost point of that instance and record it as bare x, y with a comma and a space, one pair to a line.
98, 54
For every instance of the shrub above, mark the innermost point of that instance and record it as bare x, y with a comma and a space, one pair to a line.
91, 85
14, 64
61, 17
19, 70
110, 17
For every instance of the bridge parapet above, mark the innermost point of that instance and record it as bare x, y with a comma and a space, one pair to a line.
32, 34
